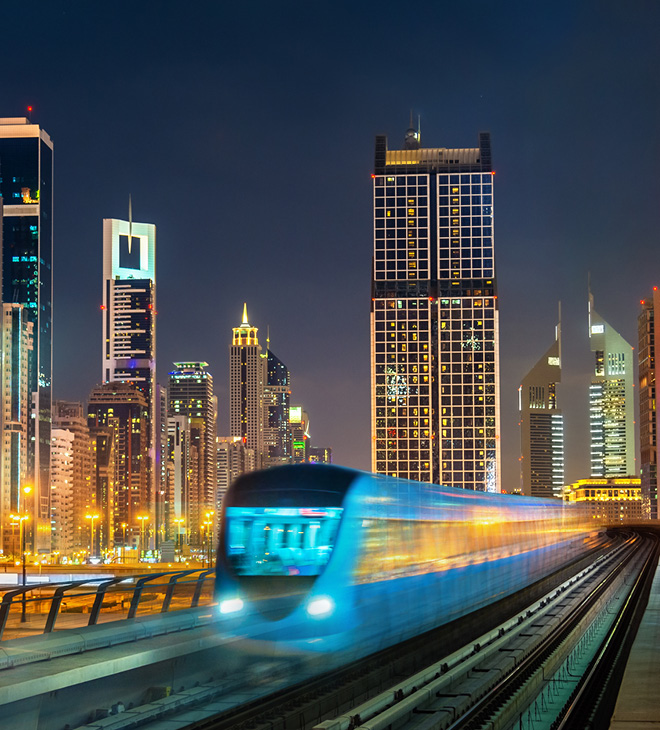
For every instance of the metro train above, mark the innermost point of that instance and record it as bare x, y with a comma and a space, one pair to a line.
326, 559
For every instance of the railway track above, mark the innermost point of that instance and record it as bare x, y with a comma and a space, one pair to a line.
560, 669
515, 669
392, 677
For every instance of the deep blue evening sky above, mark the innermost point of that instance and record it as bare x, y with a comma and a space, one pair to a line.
245, 132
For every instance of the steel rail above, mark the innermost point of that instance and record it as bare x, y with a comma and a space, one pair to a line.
273, 710
592, 702
487, 705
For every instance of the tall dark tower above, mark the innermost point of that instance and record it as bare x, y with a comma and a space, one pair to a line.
434, 316
277, 430
26, 187
648, 335
542, 426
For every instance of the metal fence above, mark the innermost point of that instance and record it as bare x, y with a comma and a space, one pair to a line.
47, 607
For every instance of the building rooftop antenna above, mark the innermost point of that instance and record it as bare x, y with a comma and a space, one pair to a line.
130, 222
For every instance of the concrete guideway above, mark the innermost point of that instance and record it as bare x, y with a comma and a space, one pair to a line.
637, 706
41, 687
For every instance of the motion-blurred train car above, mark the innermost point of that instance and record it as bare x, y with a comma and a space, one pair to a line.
323, 558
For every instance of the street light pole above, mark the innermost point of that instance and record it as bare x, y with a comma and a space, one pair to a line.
209, 535
124, 525
143, 519
92, 547
179, 522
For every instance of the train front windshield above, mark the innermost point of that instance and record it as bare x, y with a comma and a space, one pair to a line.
280, 540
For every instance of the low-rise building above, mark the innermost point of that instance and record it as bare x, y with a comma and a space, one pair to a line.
609, 500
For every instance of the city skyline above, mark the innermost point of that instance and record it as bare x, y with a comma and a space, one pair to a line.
309, 222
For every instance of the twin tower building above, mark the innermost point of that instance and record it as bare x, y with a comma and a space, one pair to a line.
435, 378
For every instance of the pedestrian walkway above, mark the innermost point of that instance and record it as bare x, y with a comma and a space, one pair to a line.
638, 704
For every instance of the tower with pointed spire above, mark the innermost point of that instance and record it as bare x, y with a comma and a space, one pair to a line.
611, 400
542, 426
247, 375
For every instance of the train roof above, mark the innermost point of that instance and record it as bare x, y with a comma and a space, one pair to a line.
378, 496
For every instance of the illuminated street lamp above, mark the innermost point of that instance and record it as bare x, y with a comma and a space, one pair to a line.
92, 550
180, 522
124, 525
209, 535
143, 519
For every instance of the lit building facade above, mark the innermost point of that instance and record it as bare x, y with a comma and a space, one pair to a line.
542, 426
299, 420
70, 417
319, 455
648, 412
233, 459
247, 374
16, 345
108, 534
177, 512
434, 316
611, 400
277, 430
26, 187
120, 410
63, 525
191, 395
129, 328
608, 501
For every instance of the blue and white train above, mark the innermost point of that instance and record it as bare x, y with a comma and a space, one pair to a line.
324, 558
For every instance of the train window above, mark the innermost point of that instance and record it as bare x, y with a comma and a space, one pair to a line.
279, 540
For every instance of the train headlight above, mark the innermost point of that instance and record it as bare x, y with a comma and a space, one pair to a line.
231, 605
320, 606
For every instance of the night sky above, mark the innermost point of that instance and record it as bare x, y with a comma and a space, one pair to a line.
245, 132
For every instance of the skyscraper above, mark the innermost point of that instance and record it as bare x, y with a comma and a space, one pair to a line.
63, 525
69, 417
177, 512
648, 412
129, 326
26, 187
434, 316
246, 388
191, 394
16, 343
118, 411
542, 426
611, 400
277, 430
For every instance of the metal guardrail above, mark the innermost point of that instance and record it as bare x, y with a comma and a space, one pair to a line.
47, 607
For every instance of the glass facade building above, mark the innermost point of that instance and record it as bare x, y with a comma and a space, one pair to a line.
118, 423
129, 331
648, 412
190, 394
542, 426
611, 400
434, 316
26, 187
277, 394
